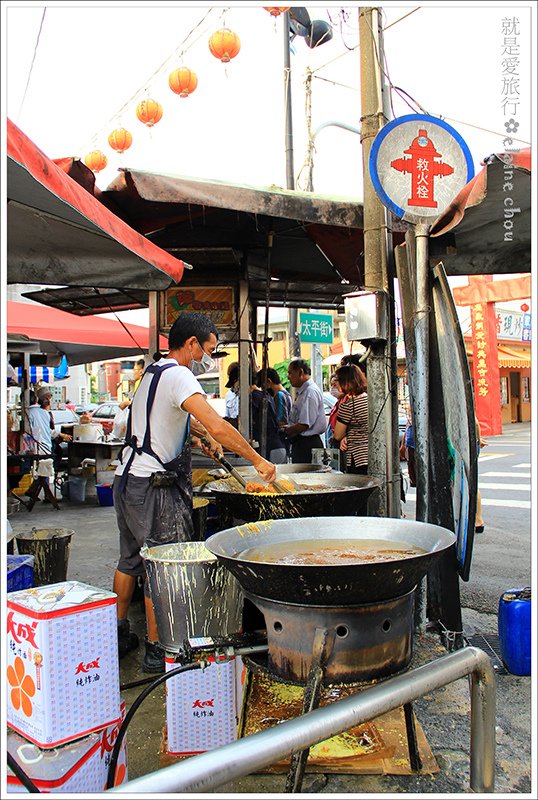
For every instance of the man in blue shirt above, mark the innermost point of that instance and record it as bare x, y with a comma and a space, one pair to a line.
307, 417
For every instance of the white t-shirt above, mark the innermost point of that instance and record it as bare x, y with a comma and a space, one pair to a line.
168, 420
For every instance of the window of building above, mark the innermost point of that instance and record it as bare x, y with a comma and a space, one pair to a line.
504, 391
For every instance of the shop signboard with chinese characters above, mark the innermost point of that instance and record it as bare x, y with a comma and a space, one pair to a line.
217, 302
418, 164
513, 325
316, 328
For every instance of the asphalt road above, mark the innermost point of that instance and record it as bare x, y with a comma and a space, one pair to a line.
502, 554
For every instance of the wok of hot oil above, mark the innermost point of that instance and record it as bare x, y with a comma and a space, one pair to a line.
334, 552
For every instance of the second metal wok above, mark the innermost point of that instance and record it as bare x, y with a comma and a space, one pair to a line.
318, 494
330, 585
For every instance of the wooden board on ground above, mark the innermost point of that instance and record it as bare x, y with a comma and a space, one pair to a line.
372, 748
376, 747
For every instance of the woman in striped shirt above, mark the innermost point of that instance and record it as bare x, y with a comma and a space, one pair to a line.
351, 428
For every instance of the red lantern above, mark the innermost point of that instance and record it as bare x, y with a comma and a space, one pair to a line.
276, 11
524, 308
183, 81
224, 44
149, 112
96, 160
120, 140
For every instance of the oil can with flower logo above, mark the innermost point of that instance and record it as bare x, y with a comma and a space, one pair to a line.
62, 662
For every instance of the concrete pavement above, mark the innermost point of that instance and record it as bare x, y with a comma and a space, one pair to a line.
444, 715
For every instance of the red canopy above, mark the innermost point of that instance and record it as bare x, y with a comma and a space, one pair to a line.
81, 339
59, 233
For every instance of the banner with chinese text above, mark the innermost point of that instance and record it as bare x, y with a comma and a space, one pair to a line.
486, 368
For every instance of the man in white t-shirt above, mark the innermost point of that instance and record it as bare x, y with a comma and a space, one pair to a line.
153, 485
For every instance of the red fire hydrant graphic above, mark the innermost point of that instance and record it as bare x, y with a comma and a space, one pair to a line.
423, 169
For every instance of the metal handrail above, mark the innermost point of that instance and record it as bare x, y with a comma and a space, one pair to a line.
210, 770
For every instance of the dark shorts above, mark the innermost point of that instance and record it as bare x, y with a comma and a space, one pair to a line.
151, 515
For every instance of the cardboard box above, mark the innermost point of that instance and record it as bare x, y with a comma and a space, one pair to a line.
62, 662
201, 709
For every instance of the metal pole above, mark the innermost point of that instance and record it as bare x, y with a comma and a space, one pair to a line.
288, 140
244, 361
213, 769
421, 415
265, 352
153, 303
376, 237
295, 347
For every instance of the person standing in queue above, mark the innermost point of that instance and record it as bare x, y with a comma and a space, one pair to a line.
307, 417
352, 419
153, 482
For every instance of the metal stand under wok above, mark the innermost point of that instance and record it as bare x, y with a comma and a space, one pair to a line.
329, 622
322, 650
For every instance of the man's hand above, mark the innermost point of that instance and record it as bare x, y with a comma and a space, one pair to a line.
266, 470
65, 437
210, 447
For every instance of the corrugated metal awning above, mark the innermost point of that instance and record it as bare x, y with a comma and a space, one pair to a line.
513, 358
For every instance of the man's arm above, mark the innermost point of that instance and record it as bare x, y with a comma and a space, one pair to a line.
227, 435
295, 429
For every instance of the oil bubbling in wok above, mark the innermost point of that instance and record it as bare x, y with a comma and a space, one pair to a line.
333, 552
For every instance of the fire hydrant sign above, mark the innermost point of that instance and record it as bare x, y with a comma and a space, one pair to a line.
316, 328
418, 164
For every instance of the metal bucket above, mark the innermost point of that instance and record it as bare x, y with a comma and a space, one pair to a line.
200, 506
193, 594
50, 548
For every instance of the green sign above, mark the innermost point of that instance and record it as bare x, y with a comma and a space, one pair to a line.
316, 328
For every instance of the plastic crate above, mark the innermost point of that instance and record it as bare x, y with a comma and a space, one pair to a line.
20, 573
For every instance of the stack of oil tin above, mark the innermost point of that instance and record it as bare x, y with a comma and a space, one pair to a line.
64, 707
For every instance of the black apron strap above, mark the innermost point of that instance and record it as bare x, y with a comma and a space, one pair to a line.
131, 441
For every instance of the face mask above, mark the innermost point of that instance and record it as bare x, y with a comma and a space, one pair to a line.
205, 365
335, 392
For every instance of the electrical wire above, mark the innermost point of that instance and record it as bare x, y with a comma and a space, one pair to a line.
180, 50
32, 64
111, 774
396, 21
112, 311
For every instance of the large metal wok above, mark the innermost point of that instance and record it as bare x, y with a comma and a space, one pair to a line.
318, 493
349, 584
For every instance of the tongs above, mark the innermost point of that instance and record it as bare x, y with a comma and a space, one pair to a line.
234, 472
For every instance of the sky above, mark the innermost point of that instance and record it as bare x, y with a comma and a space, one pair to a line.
72, 72
94, 62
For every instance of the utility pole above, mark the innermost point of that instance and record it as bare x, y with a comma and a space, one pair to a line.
383, 459
295, 347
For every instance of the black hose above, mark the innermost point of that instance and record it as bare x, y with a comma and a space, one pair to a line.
111, 774
21, 775
134, 684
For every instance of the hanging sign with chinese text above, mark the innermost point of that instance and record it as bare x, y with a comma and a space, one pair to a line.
316, 328
418, 164
217, 302
486, 368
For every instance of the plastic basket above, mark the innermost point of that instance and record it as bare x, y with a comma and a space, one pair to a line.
20, 573
104, 494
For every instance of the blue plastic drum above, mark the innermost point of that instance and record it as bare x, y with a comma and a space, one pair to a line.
514, 623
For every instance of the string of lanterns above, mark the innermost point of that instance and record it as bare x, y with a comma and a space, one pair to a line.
224, 44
